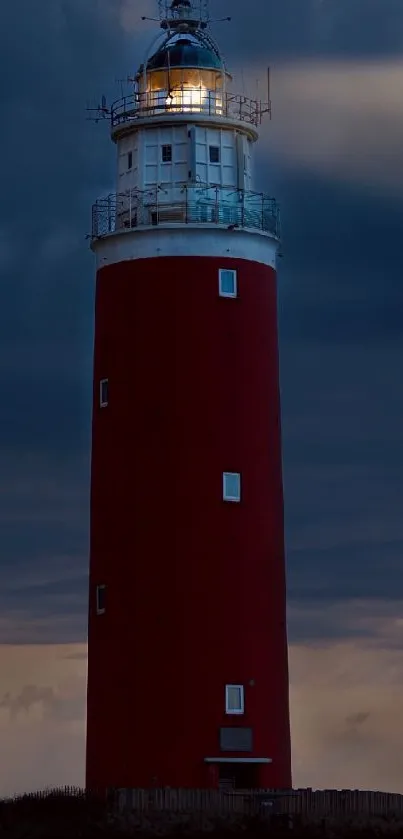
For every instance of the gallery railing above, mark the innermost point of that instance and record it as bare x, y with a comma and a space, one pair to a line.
187, 101
224, 207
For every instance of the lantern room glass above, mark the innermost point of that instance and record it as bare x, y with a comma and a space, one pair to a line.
183, 89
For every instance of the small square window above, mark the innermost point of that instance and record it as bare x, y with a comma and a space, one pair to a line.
101, 590
234, 699
214, 152
231, 486
104, 393
166, 153
130, 160
227, 283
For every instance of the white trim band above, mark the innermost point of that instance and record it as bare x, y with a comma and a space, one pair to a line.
186, 241
129, 127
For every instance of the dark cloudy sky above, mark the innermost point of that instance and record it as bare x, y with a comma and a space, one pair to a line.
333, 156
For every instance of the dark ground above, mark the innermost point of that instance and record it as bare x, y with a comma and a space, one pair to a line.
79, 815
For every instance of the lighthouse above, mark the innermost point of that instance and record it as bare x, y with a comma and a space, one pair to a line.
187, 639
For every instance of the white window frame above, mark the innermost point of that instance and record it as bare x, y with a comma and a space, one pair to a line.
214, 162
167, 146
102, 403
236, 711
223, 293
98, 589
226, 497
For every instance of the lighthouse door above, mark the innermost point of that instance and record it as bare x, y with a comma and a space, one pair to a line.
239, 775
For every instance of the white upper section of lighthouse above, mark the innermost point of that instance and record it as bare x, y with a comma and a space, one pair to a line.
184, 139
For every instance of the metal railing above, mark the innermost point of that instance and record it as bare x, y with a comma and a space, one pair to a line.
185, 101
221, 206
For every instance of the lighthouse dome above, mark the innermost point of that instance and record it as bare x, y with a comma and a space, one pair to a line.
185, 52
186, 66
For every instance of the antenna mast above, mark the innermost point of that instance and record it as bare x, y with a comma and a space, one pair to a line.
190, 14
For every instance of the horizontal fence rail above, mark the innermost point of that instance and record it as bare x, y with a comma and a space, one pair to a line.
299, 802
187, 101
210, 205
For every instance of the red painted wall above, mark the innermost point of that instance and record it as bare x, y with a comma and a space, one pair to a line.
195, 593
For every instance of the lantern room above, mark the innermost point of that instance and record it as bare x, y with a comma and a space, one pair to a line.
187, 72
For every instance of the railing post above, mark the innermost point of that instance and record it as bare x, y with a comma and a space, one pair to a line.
217, 211
186, 203
130, 209
109, 215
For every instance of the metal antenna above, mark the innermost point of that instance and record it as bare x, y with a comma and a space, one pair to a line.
268, 91
177, 14
120, 81
101, 111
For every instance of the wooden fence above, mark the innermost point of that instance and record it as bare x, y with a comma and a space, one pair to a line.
298, 802
307, 803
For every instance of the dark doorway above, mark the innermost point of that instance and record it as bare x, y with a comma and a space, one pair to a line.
239, 775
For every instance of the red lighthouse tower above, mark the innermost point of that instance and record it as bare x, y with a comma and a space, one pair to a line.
187, 672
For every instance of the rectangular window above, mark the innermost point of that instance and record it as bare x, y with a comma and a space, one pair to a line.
237, 739
214, 153
104, 393
234, 699
166, 152
101, 600
231, 486
227, 283
130, 160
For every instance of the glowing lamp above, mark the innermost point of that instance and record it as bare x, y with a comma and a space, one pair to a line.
183, 75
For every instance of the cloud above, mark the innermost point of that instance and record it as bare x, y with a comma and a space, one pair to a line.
342, 468
44, 563
130, 15
297, 28
59, 244
66, 703
326, 121
42, 717
46, 291
345, 704
29, 696
355, 720
375, 624
7, 250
